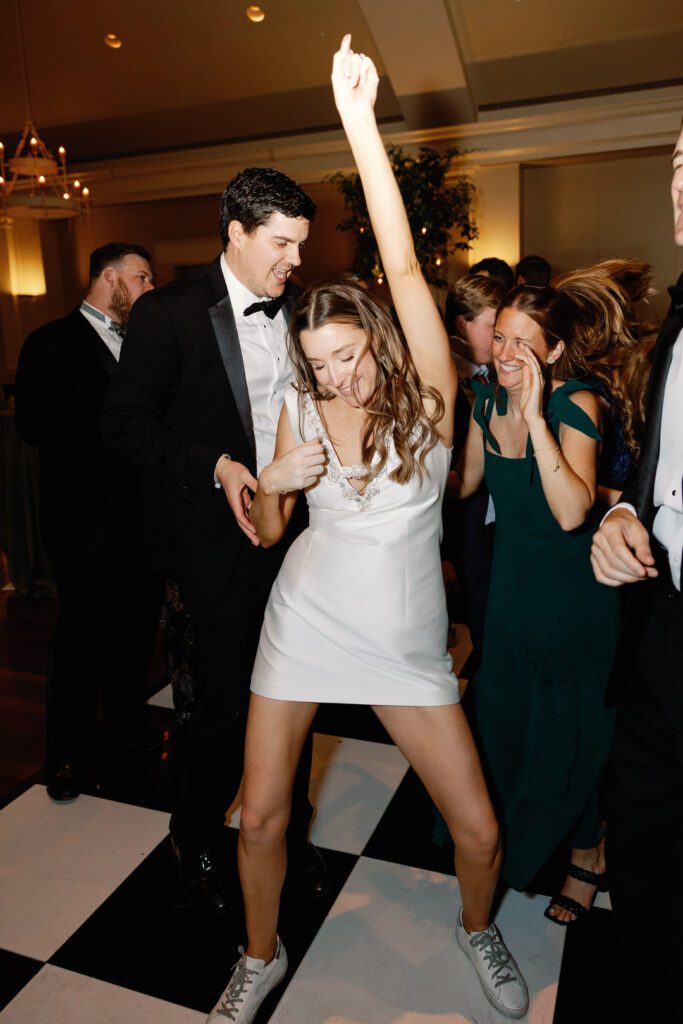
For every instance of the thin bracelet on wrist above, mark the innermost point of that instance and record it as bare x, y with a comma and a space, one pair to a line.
556, 449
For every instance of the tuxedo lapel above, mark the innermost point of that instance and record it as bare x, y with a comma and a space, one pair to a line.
92, 339
225, 329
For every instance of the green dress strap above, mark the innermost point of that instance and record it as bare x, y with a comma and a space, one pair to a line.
561, 409
484, 397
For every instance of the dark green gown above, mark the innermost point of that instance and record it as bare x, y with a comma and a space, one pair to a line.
540, 717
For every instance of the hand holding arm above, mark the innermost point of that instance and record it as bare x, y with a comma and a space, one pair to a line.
238, 485
621, 551
293, 469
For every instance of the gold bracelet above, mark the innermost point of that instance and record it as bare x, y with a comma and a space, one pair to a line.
557, 451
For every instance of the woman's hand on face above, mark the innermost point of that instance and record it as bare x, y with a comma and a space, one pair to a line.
295, 470
531, 395
354, 81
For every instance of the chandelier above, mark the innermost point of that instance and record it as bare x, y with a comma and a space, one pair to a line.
33, 184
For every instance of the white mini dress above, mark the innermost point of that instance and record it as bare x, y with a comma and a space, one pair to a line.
357, 614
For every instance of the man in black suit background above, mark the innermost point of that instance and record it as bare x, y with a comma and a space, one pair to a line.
641, 542
91, 519
195, 404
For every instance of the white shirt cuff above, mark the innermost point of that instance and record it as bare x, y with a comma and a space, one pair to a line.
620, 504
216, 483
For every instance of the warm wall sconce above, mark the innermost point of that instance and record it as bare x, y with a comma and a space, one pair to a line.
27, 276
255, 13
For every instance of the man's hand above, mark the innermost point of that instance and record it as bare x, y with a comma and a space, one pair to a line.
238, 485
621, 550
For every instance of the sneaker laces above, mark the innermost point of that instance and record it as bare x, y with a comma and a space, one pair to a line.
242, 977
496, 954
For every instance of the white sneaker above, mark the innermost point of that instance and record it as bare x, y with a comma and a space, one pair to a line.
249, 985
499, 975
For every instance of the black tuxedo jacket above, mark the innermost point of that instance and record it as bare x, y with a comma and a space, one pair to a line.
90, 501
178, 401
640, 491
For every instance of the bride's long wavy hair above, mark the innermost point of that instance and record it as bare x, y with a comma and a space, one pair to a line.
396, 408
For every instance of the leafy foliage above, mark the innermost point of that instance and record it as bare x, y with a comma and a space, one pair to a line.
433, 209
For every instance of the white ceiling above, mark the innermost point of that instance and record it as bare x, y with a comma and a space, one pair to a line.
195, 72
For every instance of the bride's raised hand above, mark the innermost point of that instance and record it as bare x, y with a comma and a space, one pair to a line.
354, 81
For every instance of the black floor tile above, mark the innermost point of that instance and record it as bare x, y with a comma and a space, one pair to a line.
15, 972
144, 938
354, 721
405, 830
594, 986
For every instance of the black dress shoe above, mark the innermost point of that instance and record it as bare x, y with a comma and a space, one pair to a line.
144, 738
63, 783
307, 872
203, 883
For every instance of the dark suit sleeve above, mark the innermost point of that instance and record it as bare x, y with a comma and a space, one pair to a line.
136, 421
46, 413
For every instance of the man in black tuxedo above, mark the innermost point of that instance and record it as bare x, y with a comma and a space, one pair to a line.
91, 519
641, 542
195, 404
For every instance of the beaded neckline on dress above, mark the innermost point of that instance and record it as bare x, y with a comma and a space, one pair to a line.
336, 473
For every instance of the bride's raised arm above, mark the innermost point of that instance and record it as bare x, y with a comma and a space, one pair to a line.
354, 80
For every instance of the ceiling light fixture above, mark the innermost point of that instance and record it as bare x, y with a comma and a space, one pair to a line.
113, 41
33, 184
255, 13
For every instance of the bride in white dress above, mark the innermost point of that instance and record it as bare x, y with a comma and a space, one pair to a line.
357, 613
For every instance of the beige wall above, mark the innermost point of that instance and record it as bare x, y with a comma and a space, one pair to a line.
577, 213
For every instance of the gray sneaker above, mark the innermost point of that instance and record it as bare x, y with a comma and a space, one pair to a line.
250, 983
499, 975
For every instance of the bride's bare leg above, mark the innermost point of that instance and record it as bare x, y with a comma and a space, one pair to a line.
276, 731
438, 744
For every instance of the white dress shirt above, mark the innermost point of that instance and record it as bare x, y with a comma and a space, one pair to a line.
266, 364
668, 522
102, 323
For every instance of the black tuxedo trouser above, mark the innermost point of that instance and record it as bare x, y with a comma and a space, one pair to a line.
101, 647
214, 756
645, 803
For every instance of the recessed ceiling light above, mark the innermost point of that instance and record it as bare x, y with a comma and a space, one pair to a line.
255, 13
113, 41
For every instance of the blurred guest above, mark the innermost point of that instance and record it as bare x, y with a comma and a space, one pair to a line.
641, 542
533, 270
469, 525
499, 270
90, 513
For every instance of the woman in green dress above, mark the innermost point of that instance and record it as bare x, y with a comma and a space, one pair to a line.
539, 706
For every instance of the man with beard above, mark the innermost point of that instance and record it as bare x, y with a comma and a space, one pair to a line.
91, 520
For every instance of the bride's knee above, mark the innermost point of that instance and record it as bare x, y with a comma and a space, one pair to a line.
261, 826
480, 840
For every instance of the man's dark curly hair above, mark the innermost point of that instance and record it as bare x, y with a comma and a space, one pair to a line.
257, 192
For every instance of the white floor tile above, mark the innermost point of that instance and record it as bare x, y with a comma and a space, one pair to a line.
387, 954
62, 997
352, 782
58, 863
162, 699
602, 900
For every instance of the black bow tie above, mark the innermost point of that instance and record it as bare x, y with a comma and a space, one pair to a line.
119, 329
271, 307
